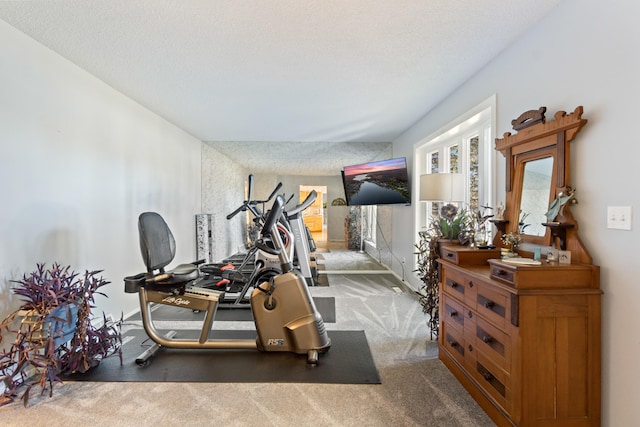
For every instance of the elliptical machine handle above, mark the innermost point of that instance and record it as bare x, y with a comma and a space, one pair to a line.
304, 205
273, 193
237, 211
249, 187
274, 215
270, 228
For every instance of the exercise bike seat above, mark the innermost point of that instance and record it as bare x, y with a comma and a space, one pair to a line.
158, 248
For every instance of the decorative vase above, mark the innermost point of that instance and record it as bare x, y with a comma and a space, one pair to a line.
481, 236
508, 253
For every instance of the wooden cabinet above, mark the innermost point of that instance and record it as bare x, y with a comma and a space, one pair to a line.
313, 222
523, 340
313, 216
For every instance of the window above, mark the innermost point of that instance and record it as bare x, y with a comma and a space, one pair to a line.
369, 223
465, 146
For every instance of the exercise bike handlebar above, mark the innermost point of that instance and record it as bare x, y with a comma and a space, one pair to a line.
249, 204
304, 205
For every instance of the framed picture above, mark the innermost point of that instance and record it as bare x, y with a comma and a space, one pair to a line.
564, 257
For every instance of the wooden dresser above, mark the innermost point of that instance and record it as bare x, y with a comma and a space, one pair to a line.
523, 340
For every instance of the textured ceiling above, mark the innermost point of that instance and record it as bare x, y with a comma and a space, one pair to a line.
280, 70
302, 158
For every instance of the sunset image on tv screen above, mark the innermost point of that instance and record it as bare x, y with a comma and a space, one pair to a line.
377, 183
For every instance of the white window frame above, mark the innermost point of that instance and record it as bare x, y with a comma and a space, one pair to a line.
479, 121
370, 221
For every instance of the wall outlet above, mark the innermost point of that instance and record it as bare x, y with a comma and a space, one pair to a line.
619, 217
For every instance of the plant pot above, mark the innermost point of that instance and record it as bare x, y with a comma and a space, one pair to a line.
62, 330
443, 243
55, 324
448, 242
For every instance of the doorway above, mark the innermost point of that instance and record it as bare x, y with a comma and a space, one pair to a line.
315, 216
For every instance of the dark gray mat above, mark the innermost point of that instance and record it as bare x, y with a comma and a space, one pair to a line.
325, 305
348, 361
323, 280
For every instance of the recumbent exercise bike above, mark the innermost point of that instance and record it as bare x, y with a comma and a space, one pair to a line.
284, 313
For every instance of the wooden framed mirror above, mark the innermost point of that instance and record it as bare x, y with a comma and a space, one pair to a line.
534, 174
537, 171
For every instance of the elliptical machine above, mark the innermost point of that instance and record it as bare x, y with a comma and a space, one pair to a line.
304, 244
284, 313
238, 275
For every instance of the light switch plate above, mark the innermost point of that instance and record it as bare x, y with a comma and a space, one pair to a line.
619, 217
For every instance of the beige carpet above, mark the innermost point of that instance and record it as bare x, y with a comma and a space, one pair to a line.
416, 389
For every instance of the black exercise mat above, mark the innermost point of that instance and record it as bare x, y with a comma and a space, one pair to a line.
160, 312
323, 280
348, 361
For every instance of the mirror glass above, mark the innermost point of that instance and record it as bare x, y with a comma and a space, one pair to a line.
534, 201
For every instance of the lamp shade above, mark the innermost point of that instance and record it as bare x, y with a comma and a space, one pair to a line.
442, 187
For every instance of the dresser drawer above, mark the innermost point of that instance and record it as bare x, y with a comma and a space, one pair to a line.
466, 255
492, 379
452, 313
545, 276
493, 304
453, 341
492, 342
453, 283
503, 273
460, 285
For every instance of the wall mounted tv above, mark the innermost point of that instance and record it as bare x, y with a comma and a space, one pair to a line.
377, 183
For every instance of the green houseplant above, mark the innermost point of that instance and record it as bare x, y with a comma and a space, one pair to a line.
453, 225
56, 334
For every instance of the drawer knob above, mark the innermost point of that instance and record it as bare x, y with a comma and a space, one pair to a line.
487, 376
489, 304
453, 313
452, 343
470, 347
470, 284
469, 314
449, 255
487, 339
501, 273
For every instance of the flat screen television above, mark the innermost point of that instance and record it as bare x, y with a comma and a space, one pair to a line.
377, 183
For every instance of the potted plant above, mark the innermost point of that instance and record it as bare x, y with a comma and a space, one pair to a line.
427, 270
511, 241
452, 226
56, 334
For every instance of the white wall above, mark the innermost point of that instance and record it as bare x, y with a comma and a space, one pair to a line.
584, 53
79, 162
